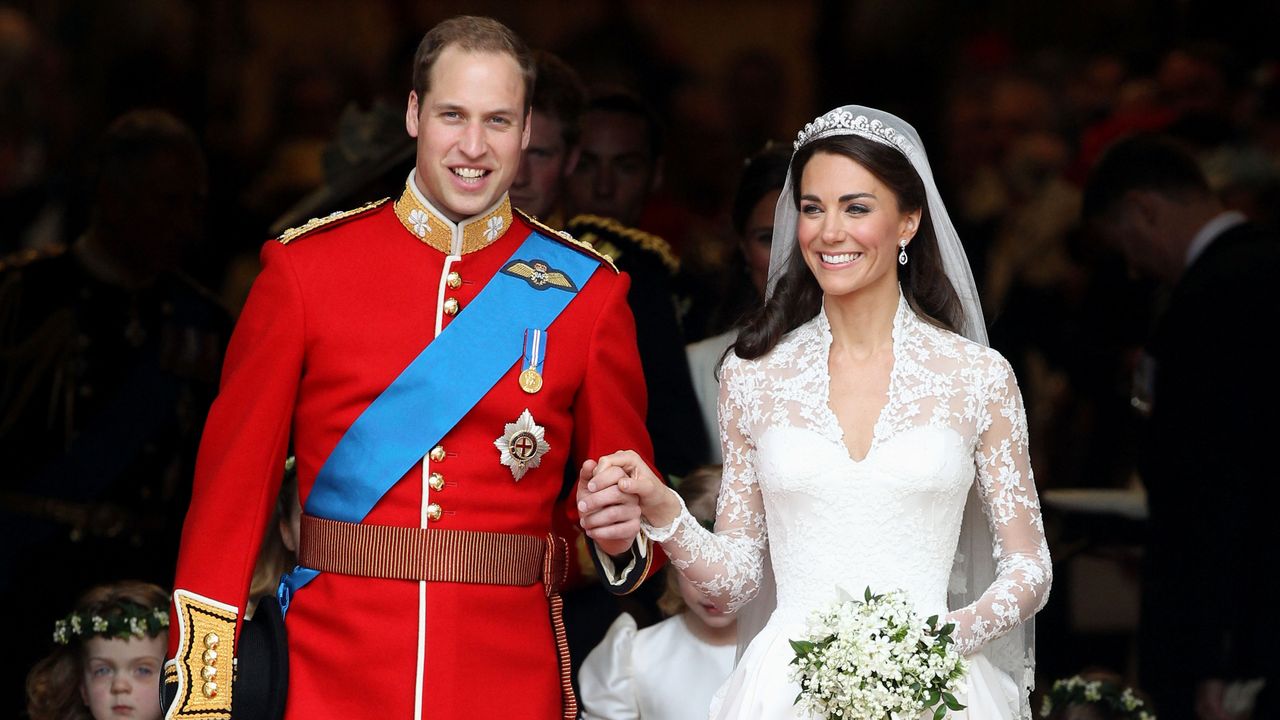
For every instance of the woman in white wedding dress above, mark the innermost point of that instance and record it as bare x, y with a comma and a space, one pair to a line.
871, 438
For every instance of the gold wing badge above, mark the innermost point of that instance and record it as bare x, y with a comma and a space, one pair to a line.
539, 275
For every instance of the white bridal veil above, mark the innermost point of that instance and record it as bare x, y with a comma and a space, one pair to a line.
975, 562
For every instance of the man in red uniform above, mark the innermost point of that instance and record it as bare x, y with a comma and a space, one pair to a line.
436, 361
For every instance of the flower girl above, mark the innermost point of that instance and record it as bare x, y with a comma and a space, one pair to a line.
108, 658
668, 671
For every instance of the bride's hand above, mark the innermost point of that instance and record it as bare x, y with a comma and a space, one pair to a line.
627, 472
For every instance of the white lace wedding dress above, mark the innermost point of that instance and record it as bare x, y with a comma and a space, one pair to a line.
891, 520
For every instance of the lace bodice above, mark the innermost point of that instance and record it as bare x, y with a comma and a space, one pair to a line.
892, 520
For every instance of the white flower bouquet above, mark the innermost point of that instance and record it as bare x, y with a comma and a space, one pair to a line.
875, 659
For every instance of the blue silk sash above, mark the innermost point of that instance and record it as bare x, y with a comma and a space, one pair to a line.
439, 388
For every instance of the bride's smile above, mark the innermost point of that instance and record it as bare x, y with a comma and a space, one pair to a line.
850, 226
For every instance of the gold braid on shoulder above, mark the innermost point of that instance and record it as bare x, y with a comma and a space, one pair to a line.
647, 241
568, 239
314, 224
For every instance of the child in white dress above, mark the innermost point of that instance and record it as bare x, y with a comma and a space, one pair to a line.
668, 671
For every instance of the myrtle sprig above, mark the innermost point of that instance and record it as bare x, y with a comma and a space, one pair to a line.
121, 621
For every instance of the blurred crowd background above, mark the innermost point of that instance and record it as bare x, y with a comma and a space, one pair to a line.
1014, 101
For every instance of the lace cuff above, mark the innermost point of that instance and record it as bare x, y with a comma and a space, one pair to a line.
663, 534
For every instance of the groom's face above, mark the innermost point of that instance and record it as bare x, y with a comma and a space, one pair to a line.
470, 127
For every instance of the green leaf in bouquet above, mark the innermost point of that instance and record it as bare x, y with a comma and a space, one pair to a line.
867, 595
802, 647
932, 621
948, 628
939, 712
951, 701
931, 697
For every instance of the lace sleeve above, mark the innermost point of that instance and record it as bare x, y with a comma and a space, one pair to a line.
1007, 489
726, 565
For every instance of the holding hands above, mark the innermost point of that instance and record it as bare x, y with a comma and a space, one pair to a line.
614, 493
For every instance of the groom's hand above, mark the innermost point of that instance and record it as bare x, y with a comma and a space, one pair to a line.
610, 517
625, 471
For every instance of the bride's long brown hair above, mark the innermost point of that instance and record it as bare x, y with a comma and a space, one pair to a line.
797, 296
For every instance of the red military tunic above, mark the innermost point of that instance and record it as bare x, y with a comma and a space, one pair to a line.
340, 309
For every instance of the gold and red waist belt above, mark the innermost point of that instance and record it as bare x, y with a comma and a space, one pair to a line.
434, 555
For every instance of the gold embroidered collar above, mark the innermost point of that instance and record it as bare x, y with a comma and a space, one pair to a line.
428, 224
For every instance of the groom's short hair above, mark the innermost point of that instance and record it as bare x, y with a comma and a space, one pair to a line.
473, 34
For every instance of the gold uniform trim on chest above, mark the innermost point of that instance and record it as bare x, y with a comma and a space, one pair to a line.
477, 233
313, 224
205, 660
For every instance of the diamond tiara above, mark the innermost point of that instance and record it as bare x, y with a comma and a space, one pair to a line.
843, 122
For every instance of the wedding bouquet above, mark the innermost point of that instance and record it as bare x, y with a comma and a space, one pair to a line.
875, 659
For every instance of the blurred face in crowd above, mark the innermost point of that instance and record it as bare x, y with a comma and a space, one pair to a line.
850, 226
757, 241
1139, 227
471, 128
616, 170
122, 677
166, 195
544, 166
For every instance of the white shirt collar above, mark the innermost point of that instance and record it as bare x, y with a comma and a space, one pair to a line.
1210, 231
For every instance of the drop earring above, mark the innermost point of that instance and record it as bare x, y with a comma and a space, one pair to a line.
902, 252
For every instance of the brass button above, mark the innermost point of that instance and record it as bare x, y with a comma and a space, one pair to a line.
210, 657
211, 640
433, 511
210, 690
453, 280
209, 672
436, 481
450, 306
437, 454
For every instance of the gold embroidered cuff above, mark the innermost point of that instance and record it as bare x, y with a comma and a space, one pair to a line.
206, 647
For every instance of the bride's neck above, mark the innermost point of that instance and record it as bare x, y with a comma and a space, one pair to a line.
862, 322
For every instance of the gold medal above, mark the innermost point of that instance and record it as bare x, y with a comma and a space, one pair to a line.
530, 381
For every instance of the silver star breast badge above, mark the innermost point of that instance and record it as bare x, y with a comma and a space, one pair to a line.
522, 445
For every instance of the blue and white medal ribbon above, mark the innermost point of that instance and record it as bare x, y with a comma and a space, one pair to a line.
535, 348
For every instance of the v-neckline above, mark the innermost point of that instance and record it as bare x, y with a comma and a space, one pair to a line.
824, 327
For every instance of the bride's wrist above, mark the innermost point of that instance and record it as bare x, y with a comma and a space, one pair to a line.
659, 517
665, 508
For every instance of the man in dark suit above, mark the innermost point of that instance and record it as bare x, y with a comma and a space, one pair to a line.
619, 166
1209, 583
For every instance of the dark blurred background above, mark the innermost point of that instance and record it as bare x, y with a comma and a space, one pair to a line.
1013, 99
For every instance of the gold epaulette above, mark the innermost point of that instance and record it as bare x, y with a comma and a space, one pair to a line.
646, 241
566, 238
314, 224
22, 258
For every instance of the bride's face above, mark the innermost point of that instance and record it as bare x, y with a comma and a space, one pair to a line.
850, 226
